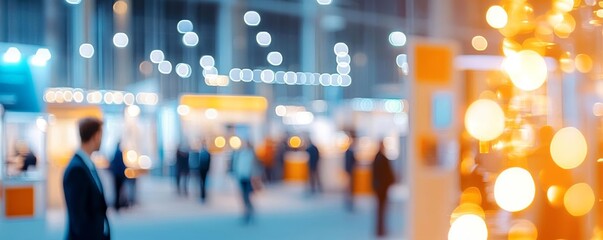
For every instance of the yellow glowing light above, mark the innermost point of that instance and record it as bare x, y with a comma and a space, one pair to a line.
295, 142
555, 195
514, 189
584, 63
564, 5
599, 13
130, 173
565, 27
527, 70
579, 199
554, 18
510, 47
567, 63
485, 120
120, 7
497, 17
468, 227
523, 230
235, 142
131, 157
479, 43
220, 142
471, 195
568, 148
467, 208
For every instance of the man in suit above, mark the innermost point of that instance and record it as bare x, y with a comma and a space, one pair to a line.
84, 196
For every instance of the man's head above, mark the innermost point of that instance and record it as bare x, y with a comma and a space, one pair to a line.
91, 132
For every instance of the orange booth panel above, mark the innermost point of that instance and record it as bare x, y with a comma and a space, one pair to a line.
296, 167
19, 201
362, 181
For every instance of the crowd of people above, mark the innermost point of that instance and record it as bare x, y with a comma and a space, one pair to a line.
249, 166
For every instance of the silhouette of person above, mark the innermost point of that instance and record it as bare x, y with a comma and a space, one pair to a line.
313, 160
182, 170
243, 168
204, 165
350, 165
383, 178
118, 169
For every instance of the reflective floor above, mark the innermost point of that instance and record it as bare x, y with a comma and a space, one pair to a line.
283, 212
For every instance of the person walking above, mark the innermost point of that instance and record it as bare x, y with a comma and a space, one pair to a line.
350, 165
204, 166
84, 195
313, 162
383, 178
182, 170
118, 169
244, 170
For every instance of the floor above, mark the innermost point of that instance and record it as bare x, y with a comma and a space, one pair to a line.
284, 211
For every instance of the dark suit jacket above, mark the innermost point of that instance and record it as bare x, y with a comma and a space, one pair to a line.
86, 206
204, 160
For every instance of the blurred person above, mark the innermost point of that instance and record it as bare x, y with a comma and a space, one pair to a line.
244, 168
383, 178
204, 166
84, 195
26, 157
313, 162
350, 165
118, 169
182, 170
266, 155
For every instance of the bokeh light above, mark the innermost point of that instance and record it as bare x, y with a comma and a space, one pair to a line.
579, 199
252, 18
497, 17
164, 67
234, 142
568, 148
120, 7
275, 58
523, 230
479, 43
263, 39
184, 26
183, 110
133, 111
183, 70
120, 40
190, 39
527, 70
514, 189
86, 50
341, 49
207, 61
295, 142
485, 120
584, 63
468, 227
157, 56
397, 39
554, 195
211, 113
220, 142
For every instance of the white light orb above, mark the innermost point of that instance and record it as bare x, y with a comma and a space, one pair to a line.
184, 26
397, 39
344, 69
527, 70
165, 67
343, 60
120, 40
86, 50
267, 76
275, 58
468, 227
190, 39
346, 80
568, 148
252, 18
264, 39
235, 74
341, 49
211, 113
207, 61
183, 70
485, 120
157, 56
514, 189
133, 111
324, 2
246, 75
